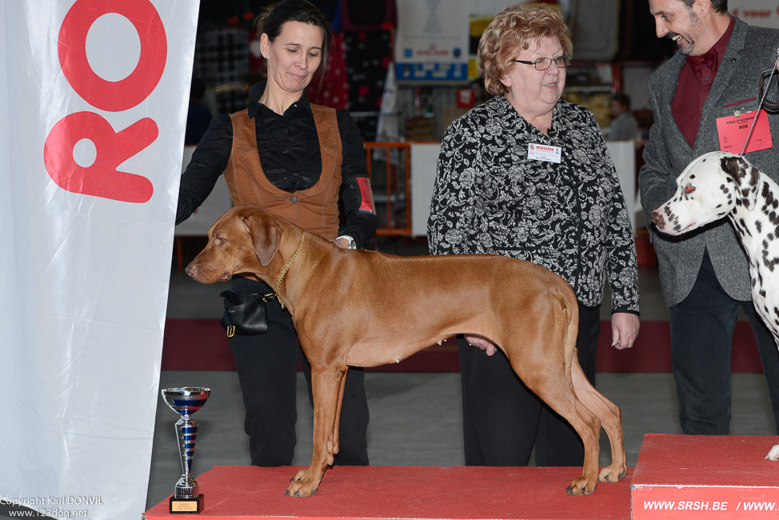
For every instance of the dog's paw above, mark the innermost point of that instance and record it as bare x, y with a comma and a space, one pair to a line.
612, 473
304, 483
581, 486
301, 488
773, 454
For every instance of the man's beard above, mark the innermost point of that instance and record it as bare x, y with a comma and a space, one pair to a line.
685, 44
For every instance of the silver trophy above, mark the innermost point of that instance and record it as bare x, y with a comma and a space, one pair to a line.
185, 401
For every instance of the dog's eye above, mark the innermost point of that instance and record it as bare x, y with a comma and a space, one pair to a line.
689, 189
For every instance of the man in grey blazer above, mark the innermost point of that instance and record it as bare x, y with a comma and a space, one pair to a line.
696, 96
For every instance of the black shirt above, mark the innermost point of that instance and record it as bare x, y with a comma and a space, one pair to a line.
289, 152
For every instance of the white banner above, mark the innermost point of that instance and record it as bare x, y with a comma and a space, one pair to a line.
93, 100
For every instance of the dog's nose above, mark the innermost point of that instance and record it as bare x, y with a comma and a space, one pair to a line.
657, 219
191, 269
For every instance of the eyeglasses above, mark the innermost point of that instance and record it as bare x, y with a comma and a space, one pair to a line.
544, 63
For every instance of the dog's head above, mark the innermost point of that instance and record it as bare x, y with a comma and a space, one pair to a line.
709, 188
243, 240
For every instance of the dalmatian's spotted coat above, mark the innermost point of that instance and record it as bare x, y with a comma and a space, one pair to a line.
720, 184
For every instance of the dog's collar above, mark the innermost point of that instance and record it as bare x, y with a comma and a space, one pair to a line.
286, 269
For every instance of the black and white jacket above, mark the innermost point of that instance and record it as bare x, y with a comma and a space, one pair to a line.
569, 217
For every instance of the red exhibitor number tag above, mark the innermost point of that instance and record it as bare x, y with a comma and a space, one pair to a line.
366, 195
733, 131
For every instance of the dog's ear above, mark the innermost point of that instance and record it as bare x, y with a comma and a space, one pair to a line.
265, 235
747, 178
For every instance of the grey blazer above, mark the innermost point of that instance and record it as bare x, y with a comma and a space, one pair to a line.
750, 51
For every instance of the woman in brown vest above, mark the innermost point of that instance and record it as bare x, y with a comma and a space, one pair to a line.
297, 160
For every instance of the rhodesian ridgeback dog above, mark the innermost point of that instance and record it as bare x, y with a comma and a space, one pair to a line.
363, 308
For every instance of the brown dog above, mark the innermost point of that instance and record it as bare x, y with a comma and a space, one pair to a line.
347, 304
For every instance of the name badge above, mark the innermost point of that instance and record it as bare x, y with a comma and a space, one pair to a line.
544, 152
733, 131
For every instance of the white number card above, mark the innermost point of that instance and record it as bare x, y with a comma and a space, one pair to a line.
544, 152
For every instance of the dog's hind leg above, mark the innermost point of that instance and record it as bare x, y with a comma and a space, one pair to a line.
327, 387
558, 393
610, 417
587, 426
553, 385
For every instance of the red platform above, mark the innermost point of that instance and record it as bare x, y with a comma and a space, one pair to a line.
404, 492
692, 476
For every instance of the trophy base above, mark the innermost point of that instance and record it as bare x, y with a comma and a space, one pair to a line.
186, 505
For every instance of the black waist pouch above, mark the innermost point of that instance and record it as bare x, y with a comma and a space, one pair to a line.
244, 313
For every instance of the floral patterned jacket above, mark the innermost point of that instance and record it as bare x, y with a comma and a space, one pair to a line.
569, 217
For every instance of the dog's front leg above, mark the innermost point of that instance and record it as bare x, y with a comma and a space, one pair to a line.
327, 388
334, 442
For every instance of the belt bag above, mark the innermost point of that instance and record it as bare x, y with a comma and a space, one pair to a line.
244, 313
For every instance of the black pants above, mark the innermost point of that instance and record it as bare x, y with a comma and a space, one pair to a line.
701, 342
267, 371
503, 421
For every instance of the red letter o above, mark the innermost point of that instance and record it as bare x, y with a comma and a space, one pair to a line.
113, 96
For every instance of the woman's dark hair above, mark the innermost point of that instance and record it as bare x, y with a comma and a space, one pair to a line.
276, 15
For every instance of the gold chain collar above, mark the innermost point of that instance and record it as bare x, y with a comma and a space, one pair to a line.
286, 269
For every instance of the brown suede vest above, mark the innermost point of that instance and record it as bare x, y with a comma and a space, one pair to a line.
314, 209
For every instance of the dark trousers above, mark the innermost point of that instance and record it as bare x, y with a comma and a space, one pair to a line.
503, 421
267, 371
701, 341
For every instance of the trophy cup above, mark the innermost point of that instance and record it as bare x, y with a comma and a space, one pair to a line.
185, 401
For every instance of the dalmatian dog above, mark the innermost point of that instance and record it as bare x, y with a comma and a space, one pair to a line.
719, 184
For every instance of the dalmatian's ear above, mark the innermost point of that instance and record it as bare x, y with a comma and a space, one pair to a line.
747, 178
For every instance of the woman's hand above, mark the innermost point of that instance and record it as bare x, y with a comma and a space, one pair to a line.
624, 329
486, 345
345, 242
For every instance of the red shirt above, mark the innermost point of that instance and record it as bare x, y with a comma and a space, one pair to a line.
695, 82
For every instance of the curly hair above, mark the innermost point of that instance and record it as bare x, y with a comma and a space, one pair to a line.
512, 30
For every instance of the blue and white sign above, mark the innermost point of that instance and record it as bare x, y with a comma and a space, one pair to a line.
432, 41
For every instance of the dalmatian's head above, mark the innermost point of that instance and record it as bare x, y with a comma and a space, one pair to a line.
709, 188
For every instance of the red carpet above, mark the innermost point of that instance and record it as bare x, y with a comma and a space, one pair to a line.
405, 492
202, 345
685, 477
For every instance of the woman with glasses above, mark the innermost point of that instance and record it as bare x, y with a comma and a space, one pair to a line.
527, 175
